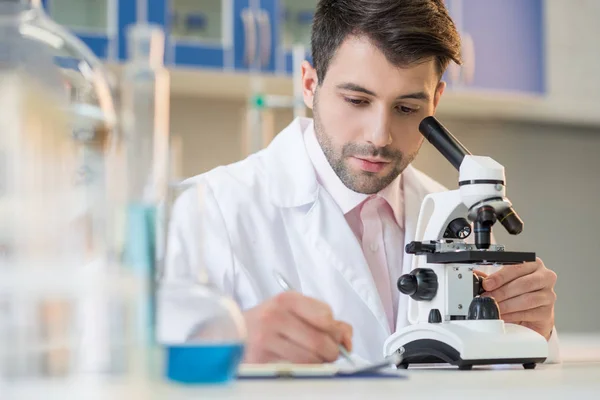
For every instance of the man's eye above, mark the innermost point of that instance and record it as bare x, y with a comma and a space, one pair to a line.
356, 102
406, 110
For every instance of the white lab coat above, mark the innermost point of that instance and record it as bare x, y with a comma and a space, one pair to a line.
268, 212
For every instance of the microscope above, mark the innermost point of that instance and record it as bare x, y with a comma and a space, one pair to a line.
450, 322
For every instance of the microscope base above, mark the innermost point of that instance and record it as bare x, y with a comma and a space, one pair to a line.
468, 343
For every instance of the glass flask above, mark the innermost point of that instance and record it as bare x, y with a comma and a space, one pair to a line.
65, 302
201, 330
91, 108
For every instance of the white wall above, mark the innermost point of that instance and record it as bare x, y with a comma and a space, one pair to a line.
573, 50
210, 131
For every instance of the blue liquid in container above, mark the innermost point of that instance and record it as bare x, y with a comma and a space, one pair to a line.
208, 364
139, 255
141, 238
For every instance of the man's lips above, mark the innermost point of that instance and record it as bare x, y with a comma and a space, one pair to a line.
370, 164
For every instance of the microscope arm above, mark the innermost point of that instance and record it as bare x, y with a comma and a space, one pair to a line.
481, 181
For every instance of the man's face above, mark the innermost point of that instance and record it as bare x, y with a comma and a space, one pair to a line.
367, 113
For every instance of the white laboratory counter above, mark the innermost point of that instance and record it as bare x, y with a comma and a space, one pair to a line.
578, 377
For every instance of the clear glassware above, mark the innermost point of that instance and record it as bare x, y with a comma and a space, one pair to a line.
64, 304
144, 125
91, 106
201, 330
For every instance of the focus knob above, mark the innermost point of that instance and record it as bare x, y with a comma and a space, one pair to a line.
478, 285
484, 308
421, 284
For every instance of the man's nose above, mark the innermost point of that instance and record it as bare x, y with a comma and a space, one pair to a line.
381, 132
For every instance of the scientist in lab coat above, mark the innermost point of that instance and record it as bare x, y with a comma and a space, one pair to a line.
332, 201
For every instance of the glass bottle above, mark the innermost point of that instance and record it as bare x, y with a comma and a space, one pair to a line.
91, 109
144, 116
63, 301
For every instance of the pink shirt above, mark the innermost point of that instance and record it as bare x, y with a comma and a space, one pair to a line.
376, 228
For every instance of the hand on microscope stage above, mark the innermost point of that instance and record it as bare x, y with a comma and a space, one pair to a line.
525, 295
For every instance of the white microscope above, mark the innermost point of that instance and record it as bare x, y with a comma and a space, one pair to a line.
450, 322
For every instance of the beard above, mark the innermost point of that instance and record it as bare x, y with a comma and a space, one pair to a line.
359, 181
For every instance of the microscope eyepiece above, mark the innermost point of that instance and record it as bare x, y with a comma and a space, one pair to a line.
511, 221
443, 141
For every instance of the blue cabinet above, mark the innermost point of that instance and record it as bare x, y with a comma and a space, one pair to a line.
198, 33
217, 34
503, 45
240, 35
503, 40
100, 24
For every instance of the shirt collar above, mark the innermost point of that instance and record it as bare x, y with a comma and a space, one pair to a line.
346, 198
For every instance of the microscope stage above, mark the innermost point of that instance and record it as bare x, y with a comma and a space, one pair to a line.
480, 257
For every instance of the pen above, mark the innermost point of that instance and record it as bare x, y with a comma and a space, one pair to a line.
287, 287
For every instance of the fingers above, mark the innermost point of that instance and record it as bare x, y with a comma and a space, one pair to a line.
531, 315
481, 274
527, 301
343, 334
295, 328
508, 274
283, 349
525, 284
318, 315
321, 345
311, 310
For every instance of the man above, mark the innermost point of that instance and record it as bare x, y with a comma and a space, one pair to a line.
331, 202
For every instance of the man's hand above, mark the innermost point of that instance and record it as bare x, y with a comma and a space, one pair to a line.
525, 295
295, 328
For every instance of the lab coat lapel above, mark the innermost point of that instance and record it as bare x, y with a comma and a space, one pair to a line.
327, 231
320, 223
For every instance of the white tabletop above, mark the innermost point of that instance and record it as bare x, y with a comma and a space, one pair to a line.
578, 375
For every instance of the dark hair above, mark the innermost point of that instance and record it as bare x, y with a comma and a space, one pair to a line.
406, 31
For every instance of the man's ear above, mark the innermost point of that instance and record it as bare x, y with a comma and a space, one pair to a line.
439, 90
309, 83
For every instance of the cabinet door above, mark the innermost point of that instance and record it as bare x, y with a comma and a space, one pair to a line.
255, 35
95, 22
503, 42
198, 32
295, 24
100, 24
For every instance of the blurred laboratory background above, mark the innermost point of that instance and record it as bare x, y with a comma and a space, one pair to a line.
528, 96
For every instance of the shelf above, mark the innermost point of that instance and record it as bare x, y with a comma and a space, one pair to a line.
497, 106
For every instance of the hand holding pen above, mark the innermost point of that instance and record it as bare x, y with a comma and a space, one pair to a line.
295, 328
288, 288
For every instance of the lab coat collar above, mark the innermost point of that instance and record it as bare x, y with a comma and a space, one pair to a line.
292, 181
346, 198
